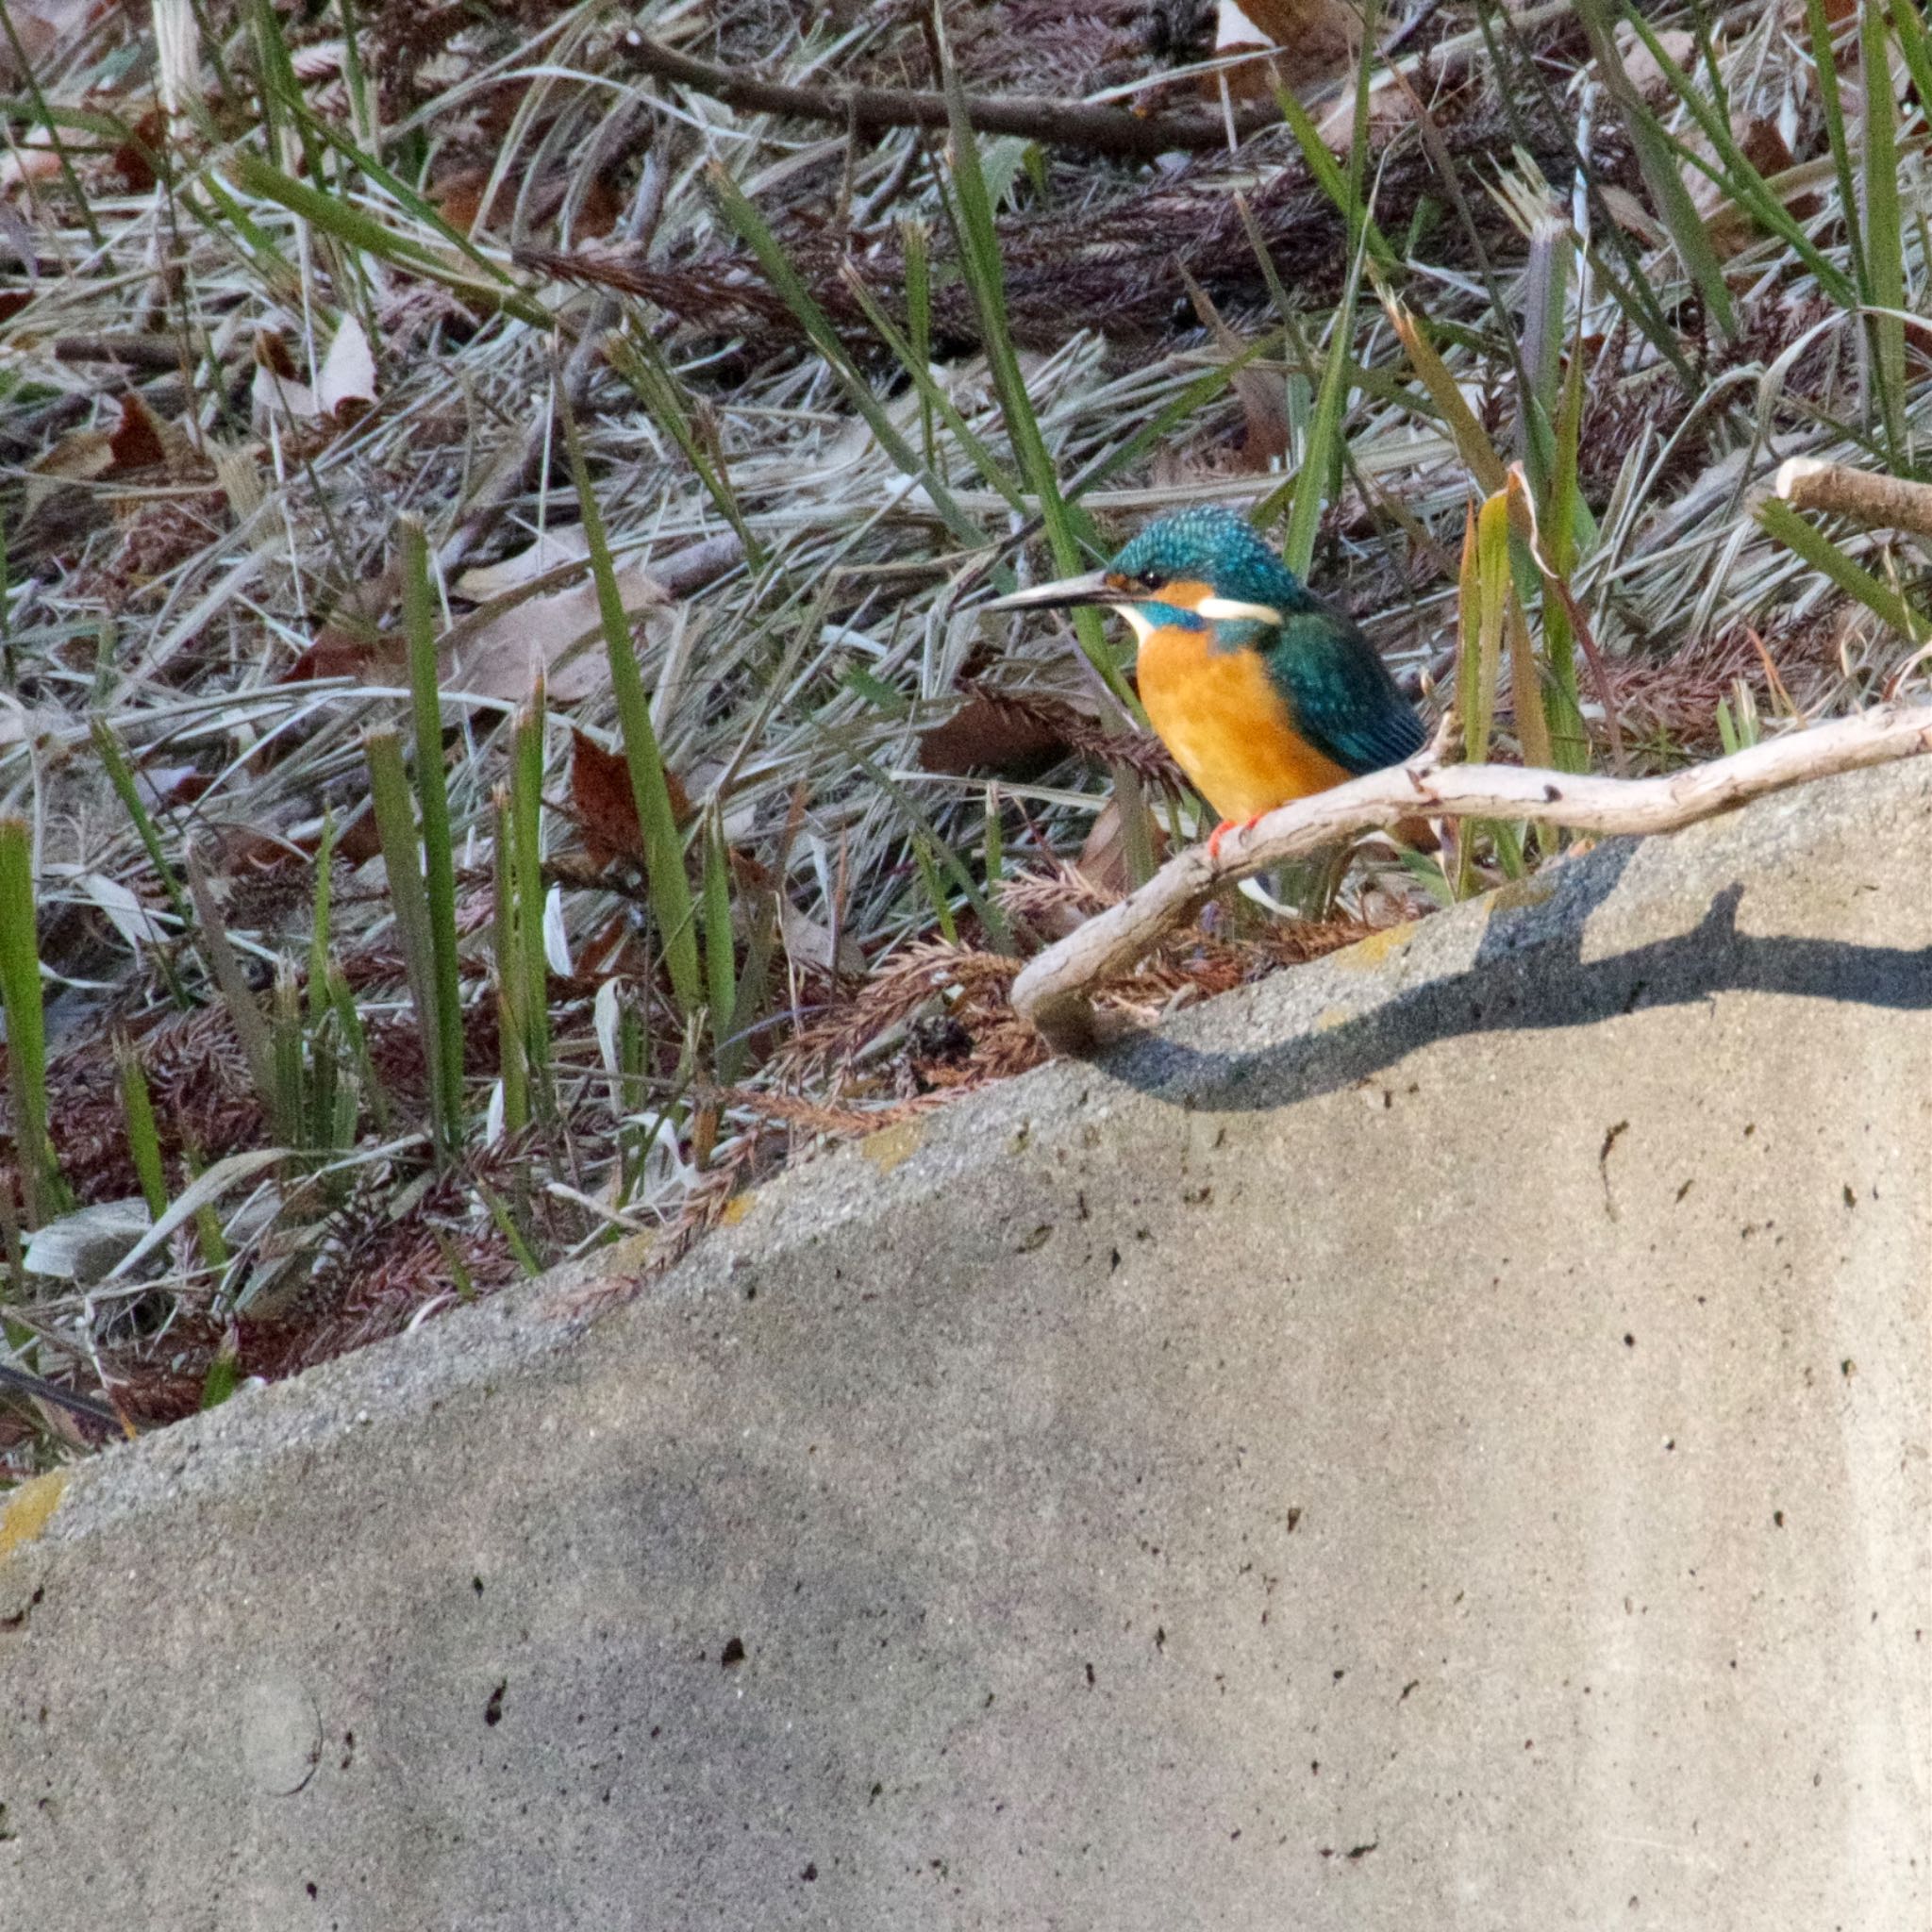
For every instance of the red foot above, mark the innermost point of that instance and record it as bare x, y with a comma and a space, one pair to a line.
1227, 826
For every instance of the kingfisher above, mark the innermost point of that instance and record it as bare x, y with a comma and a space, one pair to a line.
1262, 692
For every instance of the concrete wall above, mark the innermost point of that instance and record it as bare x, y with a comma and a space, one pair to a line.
1439, 1440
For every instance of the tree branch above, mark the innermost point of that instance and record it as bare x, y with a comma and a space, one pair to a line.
1053, 993
1117, 131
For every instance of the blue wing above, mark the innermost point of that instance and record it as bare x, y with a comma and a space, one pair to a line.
1339, 692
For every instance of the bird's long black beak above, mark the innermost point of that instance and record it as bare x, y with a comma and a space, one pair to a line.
1065, 593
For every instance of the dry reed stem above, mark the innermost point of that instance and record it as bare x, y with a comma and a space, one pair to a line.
1053, 993
1889, 502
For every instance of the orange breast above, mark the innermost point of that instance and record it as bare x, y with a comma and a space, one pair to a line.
1219, 713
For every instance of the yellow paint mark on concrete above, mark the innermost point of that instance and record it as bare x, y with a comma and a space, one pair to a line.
1376, 948
736, 1208
30, 1509
890, 1145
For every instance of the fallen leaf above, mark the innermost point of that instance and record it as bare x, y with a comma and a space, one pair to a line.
88, 1245
1390, 107
136, 924
1732, 227
1641, 64
1295, 45
989, 733
334, 652
553, 547
345, 389
33, 160
1102, 858
276, 392
607, 808
135, 443
810, 946
558, 634
133, 160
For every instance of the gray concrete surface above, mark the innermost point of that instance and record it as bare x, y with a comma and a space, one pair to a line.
1439, 1440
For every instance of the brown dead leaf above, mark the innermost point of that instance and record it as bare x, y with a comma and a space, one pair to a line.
334, 652
135, 442
809, 945
56, 482
989, 734
1263, 397
458, 197
41, 26
1102, 858
1390, 107
1729, 226
133, 160
607, 808
271, 353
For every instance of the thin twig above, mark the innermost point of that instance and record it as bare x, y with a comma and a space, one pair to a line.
1102, 130
1053, 993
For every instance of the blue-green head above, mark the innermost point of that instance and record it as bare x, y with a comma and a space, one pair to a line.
1212, 548
1200, 568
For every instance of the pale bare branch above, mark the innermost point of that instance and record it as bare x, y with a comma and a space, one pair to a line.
1053, 993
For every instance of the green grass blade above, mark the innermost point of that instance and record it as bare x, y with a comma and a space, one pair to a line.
1831, 100
1733, 171
1478, 454
512, 1063
933, 400
1657, 159
527, 894
319, 922
107, 748
1321, 455
395, 826
43, 1195
1067, 528
670, 889
1825, 557
636, 358
432, 793
337, 219
144, 1135
913, 249
720, 952
225, 967
1884, 241
1562, 701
